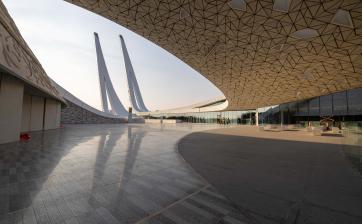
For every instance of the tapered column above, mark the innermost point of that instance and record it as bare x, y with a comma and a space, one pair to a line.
256, 117
134, 91
106, 85
102, 69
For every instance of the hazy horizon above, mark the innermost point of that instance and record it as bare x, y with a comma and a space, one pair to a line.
61, 36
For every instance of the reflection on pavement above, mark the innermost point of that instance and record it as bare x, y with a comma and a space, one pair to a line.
107, 174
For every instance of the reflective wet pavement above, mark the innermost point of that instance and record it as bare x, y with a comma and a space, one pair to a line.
107, 174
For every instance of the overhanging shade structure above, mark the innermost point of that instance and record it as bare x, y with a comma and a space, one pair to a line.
106, 87
257, 52
134, 90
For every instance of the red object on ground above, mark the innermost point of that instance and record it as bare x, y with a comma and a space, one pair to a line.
25, 137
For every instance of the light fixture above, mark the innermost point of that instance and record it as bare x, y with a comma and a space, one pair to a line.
212, 49
238, 4
298, 93
342, 18
281, 5
309, 75
306, 33
183, 13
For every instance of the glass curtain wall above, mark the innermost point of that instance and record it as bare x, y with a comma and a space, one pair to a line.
342, 107
222, 117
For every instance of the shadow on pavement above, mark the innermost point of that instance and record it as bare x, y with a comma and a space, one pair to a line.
279, 181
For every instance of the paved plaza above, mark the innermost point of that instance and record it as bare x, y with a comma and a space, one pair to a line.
135, 174
107, 174
280, 177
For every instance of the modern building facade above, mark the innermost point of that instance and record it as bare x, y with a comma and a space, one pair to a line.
338, 108
31, 101
28, 99
345, 107
258, 53
294, 51
277, 62
304, 56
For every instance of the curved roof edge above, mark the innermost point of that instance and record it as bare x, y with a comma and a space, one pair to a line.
284, 55
215, 104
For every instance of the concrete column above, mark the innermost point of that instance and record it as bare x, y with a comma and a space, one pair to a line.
256, 117
11, 102
59, 114
130, 115
51, 116
37, 113
26, 113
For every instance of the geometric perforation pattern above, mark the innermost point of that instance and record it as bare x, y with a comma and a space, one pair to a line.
251, 55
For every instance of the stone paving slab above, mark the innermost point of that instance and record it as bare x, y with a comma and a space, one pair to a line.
107, 174
278, 177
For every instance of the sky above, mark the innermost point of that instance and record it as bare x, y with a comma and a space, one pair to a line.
61, 36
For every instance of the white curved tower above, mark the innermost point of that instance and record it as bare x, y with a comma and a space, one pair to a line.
133, 88
106, 86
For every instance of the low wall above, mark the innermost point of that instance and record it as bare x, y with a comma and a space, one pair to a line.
74, 114
78, 112
52, 114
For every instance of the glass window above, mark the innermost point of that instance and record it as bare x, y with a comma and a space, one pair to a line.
326, 105
354, 101
303, 108
340, 103
314, 107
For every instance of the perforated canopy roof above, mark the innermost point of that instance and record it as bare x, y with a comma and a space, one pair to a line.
258, 53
